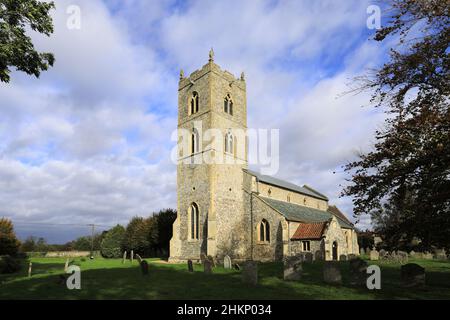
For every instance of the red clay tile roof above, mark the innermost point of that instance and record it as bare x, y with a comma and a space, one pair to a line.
309, 231
338, 213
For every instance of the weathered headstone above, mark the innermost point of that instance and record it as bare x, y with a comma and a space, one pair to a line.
190, 266
374, 255
250, 272
124, 257
412, 275
207, 266
412, 253
227, 262
343, 257
308, 257
138, 257
332, 273
144, 267
30, 267
236, 266
402, 257
318, 256
358, 272
292, 268
382, 253
440, 254
132, 256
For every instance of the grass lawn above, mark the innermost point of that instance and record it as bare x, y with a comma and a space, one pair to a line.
110, 279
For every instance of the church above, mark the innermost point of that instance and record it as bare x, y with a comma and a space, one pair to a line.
223, 208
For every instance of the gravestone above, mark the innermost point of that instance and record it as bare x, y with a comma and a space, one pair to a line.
352, 256
374, 255
427, 256
66, 266
318, 256
250, 273
343, 257
412, 275
124, 257
190, 266
308, 257
382, 253
292, 268
440, 254
138, 257
132, 256
144, 267
412, 253
211, 260
402, 257
227, 262
207, 266
362, 252
236, 266
30, 267
332, 273
358, 272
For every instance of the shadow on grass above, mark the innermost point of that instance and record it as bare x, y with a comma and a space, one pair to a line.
167, 281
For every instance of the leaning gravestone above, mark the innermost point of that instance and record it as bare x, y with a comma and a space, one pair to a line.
227, 262
412, 275
138, 257
190, 266
331, 273
207, 266
358, 272
250, 273
412, 253
374, 255
144, 267
292, 268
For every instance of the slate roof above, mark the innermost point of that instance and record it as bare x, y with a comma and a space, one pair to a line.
309, 231
298, 213
306, 190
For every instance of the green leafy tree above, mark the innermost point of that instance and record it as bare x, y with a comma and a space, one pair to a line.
111, 245
404, 182
16, 47
9, 244
137, 236
165, 219
29, 245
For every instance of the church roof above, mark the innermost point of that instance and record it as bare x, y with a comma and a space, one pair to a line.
338, 213
298, 213
306, 190
309, 231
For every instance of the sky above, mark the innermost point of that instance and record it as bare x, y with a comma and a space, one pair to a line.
90, 140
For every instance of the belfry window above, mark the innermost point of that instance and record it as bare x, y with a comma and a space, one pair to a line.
194, 217
264, 231
228, 105
193, 103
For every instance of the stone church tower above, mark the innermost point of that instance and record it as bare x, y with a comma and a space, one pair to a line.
212, 153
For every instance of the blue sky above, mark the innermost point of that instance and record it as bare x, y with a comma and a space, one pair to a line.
89, 142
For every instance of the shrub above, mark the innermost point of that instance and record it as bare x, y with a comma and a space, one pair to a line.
111, 246
9, 264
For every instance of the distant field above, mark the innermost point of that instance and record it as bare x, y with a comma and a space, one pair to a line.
110, 279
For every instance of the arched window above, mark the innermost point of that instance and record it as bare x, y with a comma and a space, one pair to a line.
195, 141
194, 217
229, 142
264, 231
193, 103
228, 105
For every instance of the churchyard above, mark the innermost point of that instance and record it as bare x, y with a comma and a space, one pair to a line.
117, 279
